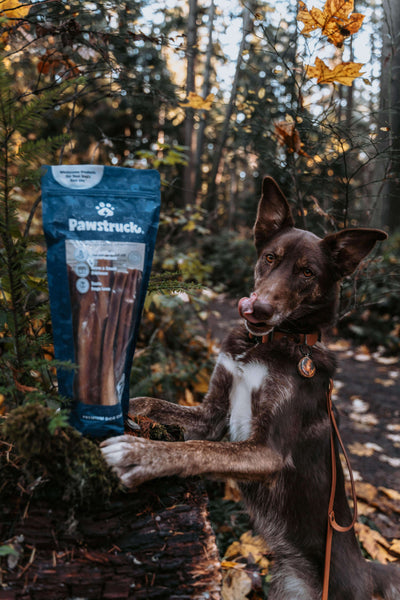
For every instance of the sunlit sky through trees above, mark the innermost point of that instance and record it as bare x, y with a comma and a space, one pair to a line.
228, 32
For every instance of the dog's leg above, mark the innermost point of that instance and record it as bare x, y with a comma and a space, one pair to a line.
137, 460
192, 418
294, 579
207, 421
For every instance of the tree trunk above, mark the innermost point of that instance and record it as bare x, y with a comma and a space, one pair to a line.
189, 177
205, 92
211, 193
390, 112
155, 542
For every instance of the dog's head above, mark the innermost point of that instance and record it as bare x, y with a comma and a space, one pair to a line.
297, 273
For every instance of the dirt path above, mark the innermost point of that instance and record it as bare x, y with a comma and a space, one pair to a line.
368, 398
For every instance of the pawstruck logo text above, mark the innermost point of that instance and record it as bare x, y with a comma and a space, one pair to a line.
104, 209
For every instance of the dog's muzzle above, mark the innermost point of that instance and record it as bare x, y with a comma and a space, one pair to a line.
256, 314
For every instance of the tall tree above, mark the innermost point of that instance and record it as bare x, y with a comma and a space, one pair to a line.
189, 179
390, 109
220, 144
205, 92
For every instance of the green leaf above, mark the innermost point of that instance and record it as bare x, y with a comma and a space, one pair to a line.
7, 550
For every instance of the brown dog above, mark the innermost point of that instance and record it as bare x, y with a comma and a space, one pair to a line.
268, 393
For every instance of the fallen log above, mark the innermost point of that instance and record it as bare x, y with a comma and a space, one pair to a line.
156, 542
68, 531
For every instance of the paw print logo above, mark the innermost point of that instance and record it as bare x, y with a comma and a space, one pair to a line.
105, 209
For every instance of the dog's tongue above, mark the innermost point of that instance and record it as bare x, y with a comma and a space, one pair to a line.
246, 308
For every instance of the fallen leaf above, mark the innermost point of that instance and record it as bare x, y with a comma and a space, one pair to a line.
374, 543
393, 427
393, 462
249, 544
195, 101
358, 405
359, 449
387, 360
236, 585
395, 547
340, 345
392, 494
364, 421
366, 491
365, 509
385, 382
230, 564
344, 73
231, 491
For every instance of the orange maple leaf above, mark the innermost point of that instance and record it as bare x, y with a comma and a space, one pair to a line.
336, 21
344, 73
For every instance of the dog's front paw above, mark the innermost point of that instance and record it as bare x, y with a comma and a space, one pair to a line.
130, 458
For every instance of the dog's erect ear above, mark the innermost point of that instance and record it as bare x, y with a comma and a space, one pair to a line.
273, 213
350, 246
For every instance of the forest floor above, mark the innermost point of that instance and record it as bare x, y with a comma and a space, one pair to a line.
367, 396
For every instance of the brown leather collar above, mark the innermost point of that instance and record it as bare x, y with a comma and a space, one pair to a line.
308, 339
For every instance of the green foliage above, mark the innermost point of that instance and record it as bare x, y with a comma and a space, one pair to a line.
24, 315
371, 301
232, 262
174, 359
51, 459
7, 550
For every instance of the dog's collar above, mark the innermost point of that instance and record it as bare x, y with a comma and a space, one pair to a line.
307, 339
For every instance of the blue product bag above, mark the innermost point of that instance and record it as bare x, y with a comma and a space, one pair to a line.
100, 225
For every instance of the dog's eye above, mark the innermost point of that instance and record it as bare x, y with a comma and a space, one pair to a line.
307, 273
269, 258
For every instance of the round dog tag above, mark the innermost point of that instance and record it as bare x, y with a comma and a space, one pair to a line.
306, 367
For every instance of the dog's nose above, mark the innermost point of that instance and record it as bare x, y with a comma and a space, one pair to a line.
246, 305
262, 311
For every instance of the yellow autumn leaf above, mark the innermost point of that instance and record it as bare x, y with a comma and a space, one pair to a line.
374, 543
361, 449
12, 9
230, 564
336, 21
202, 382
195, 101
366, 491
392, 494
249, 544
344, 73
395, 547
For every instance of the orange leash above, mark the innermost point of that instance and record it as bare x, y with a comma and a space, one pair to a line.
332, 524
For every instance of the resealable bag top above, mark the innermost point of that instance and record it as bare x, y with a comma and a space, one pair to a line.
100, 225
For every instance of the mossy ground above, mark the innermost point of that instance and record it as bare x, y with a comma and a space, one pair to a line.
42, 456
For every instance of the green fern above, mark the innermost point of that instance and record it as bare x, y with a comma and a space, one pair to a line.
25, 343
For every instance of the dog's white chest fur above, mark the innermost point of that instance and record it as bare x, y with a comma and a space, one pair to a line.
247, 378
